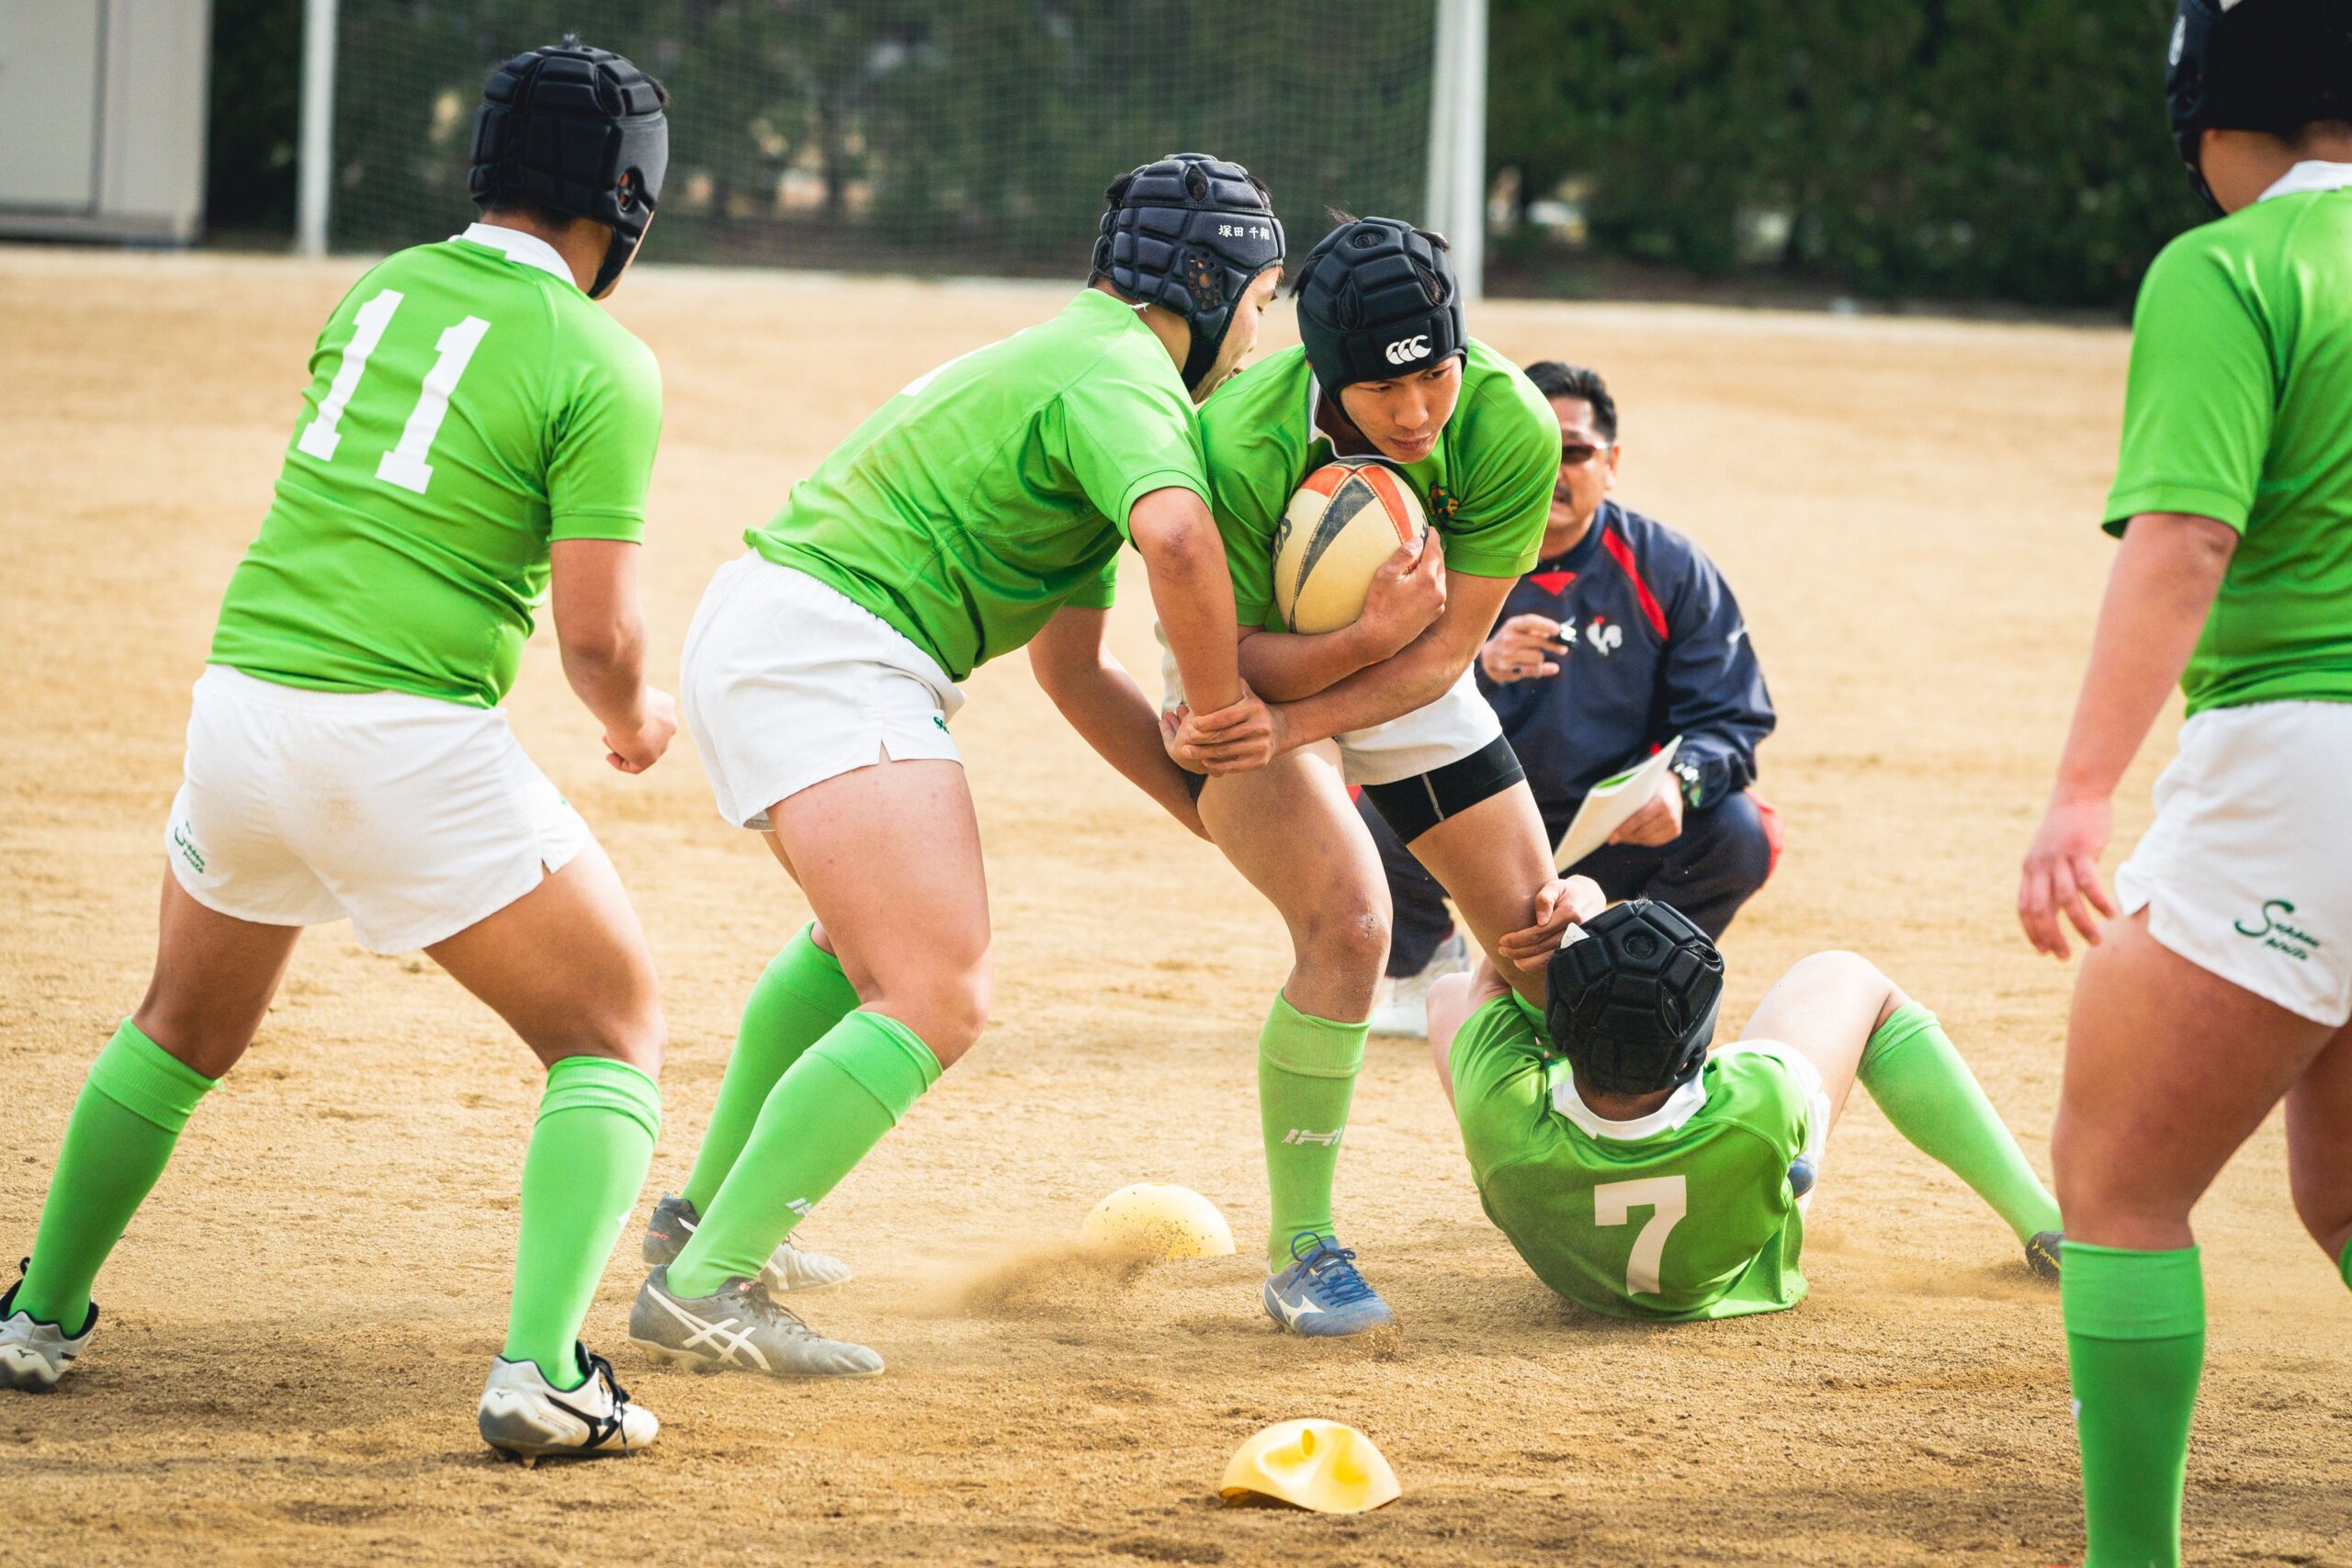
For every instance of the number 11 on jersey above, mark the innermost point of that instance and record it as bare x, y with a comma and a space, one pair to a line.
405, 464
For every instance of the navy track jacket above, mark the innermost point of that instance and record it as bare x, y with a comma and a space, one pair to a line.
1656, 648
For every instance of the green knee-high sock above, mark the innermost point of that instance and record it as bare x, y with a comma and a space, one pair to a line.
824, 1116
1917, 1078
2344, 1265
133, 1106
598, 1120
802, 994
2135, 1344
1306, 1075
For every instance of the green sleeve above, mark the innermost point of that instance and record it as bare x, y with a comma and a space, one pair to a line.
1500, 1095
1507, 495
1101, 592
1125, 435
1768, 1089
604, 437
2198, 406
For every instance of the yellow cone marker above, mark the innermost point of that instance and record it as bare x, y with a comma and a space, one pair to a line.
1159, 1220
1317, 1465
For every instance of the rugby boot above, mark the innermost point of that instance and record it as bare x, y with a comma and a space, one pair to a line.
788, 1268
33, 1354
524, 1418
2043, 1253
1321, 1295
738, 1327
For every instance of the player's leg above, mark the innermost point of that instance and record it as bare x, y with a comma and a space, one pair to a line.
2319, 1150
799, 998
2169, 1068
1423, 944
1290, 829
1492, 856
566, 966
1852, 1023
213, 980
868, 847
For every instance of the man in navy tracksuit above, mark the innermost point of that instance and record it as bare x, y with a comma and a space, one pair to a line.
1623, 637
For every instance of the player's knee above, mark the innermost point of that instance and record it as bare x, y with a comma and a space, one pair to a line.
1348, 937
635, 1035
947, 1012
1743, 853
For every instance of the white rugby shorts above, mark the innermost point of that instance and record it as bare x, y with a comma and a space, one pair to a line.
2247, 870
409, 816
786, 683
1457, 725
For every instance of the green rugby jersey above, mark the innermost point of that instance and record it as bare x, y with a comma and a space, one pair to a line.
2236, 410
995, 490
468, 405
1684, 1213
1486, 485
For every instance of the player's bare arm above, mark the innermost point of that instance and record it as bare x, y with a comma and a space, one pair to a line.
2158, 596
1193, 594
1074, 665
1423, 673
600, 629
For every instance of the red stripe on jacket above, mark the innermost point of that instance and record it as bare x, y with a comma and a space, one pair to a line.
1622, 554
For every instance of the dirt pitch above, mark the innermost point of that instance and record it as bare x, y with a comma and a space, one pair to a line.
299, 1321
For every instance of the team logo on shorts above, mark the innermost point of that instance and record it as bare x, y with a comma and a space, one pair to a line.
2273, 932
186, 846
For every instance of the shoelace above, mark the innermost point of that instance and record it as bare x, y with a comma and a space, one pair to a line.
756, 1298
1333, 1269
602, 1429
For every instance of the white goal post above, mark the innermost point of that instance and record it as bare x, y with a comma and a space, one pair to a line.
1458, 139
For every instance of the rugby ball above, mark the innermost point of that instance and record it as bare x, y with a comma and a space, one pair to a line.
1346, 520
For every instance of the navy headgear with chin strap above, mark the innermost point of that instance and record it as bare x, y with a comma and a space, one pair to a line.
580, 131
1378, 299
1190, 234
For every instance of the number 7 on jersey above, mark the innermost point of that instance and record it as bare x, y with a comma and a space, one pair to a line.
1668, 1200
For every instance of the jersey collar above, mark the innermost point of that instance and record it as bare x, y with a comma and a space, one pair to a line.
1680, 1107
2311, 175
523, 250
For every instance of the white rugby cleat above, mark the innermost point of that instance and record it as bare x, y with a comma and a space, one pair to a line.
1404, 1005
33, 1354
526, 1417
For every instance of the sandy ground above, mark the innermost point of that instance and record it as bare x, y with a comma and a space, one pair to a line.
299, 1321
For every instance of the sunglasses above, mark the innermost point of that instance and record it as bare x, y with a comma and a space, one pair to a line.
1575, 454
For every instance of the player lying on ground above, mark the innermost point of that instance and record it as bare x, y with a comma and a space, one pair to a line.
820, 674
2221, 983
1387, 370
347, 756
1641, 1175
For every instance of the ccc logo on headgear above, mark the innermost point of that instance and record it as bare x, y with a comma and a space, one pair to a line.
1406, 349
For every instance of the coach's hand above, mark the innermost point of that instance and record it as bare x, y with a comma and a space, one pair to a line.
1522, 650
1407, 596
2062, 875
1560, 903
637, 746
1232, 739
1659, 822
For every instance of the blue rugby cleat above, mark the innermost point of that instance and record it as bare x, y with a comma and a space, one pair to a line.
1321, 1295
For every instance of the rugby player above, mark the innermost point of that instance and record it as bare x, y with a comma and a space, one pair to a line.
988, 499
1643, 1176
1390, 703
474, 427
2220, 981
